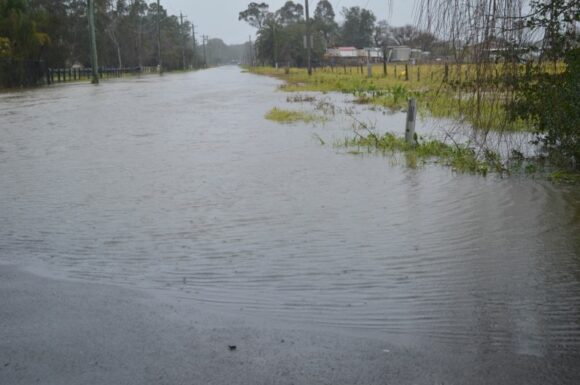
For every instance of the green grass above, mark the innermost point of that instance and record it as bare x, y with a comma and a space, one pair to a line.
563, 176
454, 99
461, 158
287, 116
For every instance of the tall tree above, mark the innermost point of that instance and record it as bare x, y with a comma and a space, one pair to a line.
290, 13
23, 43
256, 14
117, 15
324, 22
358, 27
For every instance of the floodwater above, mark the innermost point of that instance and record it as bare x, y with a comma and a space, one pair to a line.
178, 183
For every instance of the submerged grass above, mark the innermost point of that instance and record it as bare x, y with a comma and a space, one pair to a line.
460, 157
565, 176
286, 116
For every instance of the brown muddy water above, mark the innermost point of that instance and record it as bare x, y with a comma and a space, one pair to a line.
179, 184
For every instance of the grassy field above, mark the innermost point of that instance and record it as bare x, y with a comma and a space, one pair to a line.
456, 92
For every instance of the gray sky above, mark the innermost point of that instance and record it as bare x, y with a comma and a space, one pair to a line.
219, 18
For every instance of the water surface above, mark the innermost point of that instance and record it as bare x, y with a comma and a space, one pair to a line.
178, 183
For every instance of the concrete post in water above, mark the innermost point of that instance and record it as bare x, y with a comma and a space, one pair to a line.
411, 117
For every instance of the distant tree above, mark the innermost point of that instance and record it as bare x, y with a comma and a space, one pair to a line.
324, 22
117, 15
358, 27
55, 33
135, 23
559, 20
405, 34
290, 13
22, 43
424, 41
256, 14
383, 35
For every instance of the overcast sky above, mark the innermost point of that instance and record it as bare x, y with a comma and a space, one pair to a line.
219, 18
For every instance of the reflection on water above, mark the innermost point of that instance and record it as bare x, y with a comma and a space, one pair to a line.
179, 183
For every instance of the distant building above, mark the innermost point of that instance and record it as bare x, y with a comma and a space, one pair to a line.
394, 54
399, 53
376, 53
345, 52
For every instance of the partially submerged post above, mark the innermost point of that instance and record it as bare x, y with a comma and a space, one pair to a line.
411, 118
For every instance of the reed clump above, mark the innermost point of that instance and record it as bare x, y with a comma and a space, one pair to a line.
287, 116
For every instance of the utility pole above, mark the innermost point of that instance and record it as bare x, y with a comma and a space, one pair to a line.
94, 59
159, 57
182, 39
140, 41
251, 53
194, 59
308, 42
204, 39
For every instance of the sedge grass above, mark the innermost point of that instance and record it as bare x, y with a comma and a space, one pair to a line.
287, 116
460, 157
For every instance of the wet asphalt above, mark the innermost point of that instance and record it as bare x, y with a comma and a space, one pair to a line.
55, 331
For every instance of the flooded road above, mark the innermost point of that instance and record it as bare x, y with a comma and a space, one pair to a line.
179, 184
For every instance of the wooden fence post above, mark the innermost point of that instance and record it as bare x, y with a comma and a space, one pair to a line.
410, 126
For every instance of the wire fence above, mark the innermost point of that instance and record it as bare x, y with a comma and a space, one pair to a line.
61, 75
15, 73
21, 73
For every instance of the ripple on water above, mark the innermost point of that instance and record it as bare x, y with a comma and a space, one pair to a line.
212, 203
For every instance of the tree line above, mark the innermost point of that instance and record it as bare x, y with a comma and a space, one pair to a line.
54, 33
281, 33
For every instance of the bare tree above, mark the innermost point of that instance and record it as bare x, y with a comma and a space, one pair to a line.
489, 36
